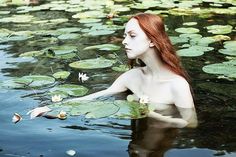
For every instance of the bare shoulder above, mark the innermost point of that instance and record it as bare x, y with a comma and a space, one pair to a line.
179, 84
133, 72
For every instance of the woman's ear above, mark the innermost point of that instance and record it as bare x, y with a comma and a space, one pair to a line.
151, 44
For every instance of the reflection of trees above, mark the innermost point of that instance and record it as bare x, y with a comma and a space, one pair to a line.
150, 138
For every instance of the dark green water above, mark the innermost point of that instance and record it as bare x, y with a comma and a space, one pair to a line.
215, 101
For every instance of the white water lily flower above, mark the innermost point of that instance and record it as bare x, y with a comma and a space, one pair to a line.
38, 111
144, 99
62, 115
82, 77
70, 152
56, 98
16, 118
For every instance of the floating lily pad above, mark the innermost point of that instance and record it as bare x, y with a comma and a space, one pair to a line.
69, 30
31, 54
60, 50
99, 109
190, 23
103, 47
121, 68
69, 36
230, 44
100, 32
90, 14
70, 89
220, 29
89, 20
61, 75
187, 30
92, 63
194, 51
220, 68
17, 19
231, 52
175, 40
31, 81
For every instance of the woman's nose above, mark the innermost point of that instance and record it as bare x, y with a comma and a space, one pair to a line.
124, 42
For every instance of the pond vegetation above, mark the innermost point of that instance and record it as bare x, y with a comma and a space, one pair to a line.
45, 45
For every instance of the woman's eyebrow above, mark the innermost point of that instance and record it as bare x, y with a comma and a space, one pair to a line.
129, 32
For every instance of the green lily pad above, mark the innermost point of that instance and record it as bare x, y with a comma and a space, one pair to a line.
31, 81
31, 54
68, 30
70, 89
130, 110
231, 52
188, 52
194, 51
90, 109
61, 75
60, 50
205, 41
18, 19
89, 20
220, 68
69, 36
230, 44
176, 40
187, 30
100, 32
221, 37
103, 47
220, 29
120, 68
92, 63
190, 23
89, 14
100, 109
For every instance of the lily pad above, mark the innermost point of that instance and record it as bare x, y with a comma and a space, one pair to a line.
103, 47
69, 36
60, 50
99, 109
70, 89
230, 44
120, 68
31, 81
190, 23
194, 51
31, 54
100, 32
92, 63
231, 52
18, 19
61, 75
220, 29
187, 30
89, 20
220, 68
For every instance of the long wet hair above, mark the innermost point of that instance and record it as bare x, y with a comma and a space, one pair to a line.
154, 28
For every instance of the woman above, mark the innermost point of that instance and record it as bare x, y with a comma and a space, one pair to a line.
162, 80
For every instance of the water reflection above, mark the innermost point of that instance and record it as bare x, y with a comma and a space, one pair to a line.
150, 138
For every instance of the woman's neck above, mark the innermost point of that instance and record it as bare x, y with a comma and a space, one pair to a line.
154, 66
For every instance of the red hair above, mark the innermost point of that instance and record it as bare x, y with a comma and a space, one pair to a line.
154, 28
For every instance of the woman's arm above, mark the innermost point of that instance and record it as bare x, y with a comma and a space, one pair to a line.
183, 101
119, 85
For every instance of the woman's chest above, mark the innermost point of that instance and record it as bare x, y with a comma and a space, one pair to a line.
157, 91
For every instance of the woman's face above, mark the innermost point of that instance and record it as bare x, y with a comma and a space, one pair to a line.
136, 41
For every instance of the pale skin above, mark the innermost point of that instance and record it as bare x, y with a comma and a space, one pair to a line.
164, 88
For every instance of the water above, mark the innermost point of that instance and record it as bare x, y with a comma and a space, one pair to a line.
106, 137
